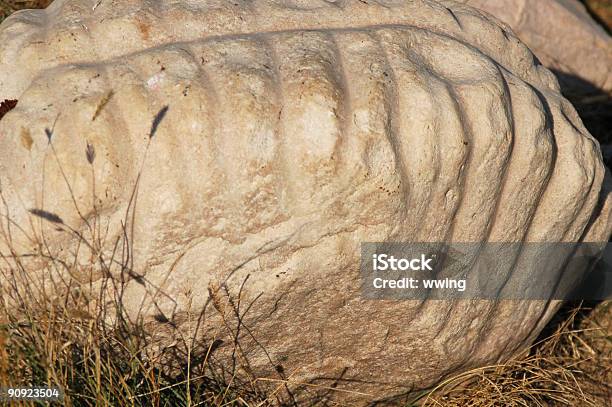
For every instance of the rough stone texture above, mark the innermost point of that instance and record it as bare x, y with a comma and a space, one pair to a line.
296, 130
563, 36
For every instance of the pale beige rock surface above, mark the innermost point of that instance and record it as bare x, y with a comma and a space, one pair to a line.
563, 36
296, 130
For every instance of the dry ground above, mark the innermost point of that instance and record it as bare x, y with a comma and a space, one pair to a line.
9, 6
601, 11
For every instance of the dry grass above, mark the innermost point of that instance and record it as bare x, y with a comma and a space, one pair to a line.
96, 366
570, 366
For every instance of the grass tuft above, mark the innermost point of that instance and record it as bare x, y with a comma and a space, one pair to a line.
571, 365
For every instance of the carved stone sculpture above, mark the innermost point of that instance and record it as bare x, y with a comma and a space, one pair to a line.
231, 157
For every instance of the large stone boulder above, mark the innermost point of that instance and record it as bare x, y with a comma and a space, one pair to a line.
563, 36
221, 162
